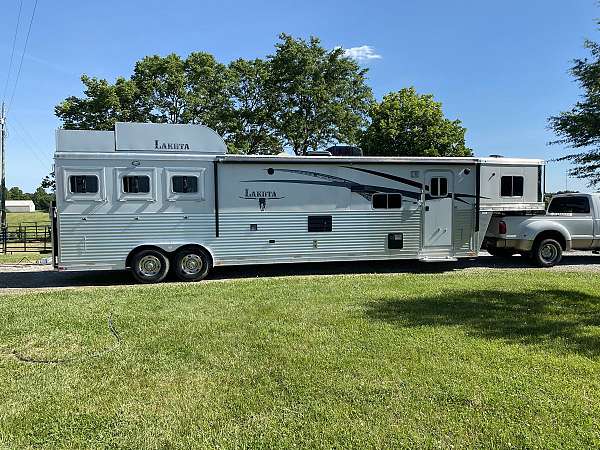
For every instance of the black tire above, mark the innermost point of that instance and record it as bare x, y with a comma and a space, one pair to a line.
191, 264
149, 266
546, 253
501, 252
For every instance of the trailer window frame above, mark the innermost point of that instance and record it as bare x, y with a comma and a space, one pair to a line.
124, 172
381, 201
185, 177
64, 188
509, 191
199, 173
437, 188
131, 184
75, 191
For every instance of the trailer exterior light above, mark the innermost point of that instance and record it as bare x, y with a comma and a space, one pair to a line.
502, 227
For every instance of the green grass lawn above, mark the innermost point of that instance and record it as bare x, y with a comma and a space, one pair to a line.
22, 257
17, 218
495, 359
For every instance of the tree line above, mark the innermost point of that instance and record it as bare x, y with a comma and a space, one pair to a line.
41, 198
301, 97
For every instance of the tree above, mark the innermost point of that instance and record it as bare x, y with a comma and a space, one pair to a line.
103, 105
406, 123
579, 128
49, 182
253, 105
42, 199
303, 97
320, 95
15, 193
161, 89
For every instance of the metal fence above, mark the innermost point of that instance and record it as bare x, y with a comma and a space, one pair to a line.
26, 237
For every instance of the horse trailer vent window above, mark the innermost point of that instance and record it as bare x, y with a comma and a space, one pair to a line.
319, 224
387, 201
83, 184
569, 205
439, 187
185, 184
511, 186
136, 184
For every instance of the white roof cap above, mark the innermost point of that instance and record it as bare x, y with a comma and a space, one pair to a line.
19, 203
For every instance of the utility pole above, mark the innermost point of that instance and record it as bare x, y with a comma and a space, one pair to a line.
2, 172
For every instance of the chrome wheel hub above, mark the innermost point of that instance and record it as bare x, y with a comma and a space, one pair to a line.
191, 264
149, 266
548, 252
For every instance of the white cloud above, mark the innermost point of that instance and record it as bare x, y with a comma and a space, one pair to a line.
362, 53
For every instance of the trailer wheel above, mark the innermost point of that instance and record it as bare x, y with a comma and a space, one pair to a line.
547, 253
191, 264
149, 266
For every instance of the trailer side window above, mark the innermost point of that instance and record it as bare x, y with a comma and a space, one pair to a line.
387, 201
573, 205
83, 184
439, 187
185, 184
511, 186
134, 184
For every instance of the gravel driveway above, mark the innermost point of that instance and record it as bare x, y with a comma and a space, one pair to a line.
16, 278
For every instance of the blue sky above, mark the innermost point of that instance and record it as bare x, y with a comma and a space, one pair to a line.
500, 67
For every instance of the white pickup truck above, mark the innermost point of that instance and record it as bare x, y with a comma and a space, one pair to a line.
571, 222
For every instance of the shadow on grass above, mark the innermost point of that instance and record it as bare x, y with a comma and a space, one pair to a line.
561, 320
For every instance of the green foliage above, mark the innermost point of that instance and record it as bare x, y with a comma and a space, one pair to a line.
41, 198
406, 123
49, 182
303, 96
253, 105
102, 106
15, 193
320, 95
493, 359
579, 128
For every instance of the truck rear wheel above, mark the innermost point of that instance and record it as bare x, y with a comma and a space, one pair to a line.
149, 266
547, 253
191, 264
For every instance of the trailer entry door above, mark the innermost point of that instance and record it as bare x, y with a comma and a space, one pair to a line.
437, 226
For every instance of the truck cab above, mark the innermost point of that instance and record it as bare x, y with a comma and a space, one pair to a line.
570, 222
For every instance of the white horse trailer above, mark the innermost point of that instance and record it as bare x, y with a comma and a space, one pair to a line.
150, 197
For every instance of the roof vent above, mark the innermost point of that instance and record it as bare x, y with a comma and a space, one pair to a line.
317, 153
496, 156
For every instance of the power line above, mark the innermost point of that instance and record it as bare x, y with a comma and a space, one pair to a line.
22, 55
43, 164
12, 53
36, 147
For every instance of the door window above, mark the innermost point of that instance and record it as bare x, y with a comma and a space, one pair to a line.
439, 187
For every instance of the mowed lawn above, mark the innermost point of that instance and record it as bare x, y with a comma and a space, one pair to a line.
17, 218
488, 359
26, 219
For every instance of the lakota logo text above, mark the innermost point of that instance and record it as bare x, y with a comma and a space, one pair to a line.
170, 145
